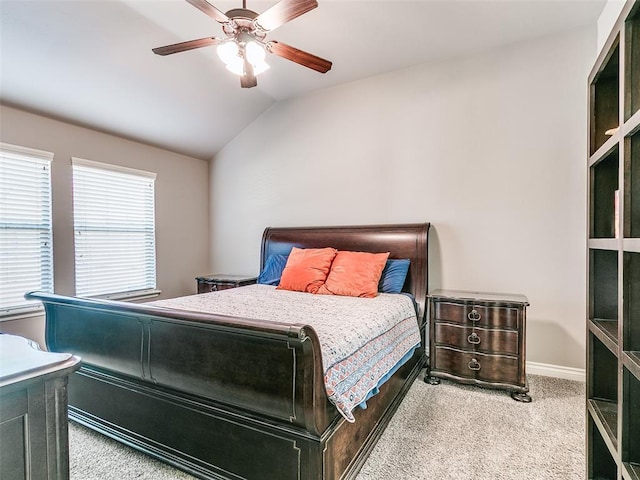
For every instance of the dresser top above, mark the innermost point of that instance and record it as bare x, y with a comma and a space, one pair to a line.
480, 296
21, 358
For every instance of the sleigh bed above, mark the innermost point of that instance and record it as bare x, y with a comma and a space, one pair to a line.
228, 397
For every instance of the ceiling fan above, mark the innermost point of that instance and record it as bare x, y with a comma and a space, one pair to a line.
243, 49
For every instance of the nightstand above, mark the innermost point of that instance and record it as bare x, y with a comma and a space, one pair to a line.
221, 281
478, 338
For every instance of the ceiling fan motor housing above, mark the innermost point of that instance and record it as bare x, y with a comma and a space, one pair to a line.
242, 20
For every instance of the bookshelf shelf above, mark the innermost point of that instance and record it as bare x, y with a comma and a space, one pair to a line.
600, 460
631, 245
606, 244
605, 414
632, 471
605, 150
613, 280
606, 332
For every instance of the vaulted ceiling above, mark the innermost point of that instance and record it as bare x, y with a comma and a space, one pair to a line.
90, 62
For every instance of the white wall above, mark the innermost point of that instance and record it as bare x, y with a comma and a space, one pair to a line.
490, 149
182, 196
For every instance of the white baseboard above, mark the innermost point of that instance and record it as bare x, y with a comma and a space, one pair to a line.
568, 373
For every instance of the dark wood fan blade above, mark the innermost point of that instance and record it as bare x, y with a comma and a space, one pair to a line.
303, 58
183, 46
283, 12
248, 78
210, 10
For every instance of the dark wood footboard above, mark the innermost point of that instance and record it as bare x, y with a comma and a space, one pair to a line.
271, 369
212, 441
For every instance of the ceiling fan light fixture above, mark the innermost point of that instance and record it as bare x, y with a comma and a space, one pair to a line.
229, 53
255, 53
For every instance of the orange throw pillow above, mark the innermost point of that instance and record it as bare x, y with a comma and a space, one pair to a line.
306, 269
355, 274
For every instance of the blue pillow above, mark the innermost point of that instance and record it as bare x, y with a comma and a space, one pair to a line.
272, 271
393, 276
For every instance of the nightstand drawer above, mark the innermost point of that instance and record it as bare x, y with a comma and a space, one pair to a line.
483, 316
477, 339
475, 365
206, 287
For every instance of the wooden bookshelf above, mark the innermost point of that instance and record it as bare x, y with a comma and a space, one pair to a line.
613, 280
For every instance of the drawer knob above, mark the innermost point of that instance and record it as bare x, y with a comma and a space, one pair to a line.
473, 339
474, 364
474, 316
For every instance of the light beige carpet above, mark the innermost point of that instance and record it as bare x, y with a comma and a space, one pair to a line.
451, 431
445, 431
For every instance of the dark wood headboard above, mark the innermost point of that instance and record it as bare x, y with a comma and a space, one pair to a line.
401, 241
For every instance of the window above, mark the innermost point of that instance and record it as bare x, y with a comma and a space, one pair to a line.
26, 255
114, 230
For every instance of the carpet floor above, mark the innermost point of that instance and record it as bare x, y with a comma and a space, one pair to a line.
446, 431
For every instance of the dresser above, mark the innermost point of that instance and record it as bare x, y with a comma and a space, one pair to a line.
222, 281
478, 338
33, 411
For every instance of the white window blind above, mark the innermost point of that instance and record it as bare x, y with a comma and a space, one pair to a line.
114, 224
26, 254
